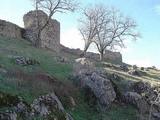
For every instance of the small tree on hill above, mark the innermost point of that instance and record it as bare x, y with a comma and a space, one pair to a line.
88, 25
51, 7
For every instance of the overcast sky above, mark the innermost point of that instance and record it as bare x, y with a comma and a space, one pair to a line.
144, 52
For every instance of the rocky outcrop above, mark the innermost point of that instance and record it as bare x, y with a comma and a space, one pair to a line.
156, 116
10, 30
99, 87
50, 104
137, 100
45, 107
50, 36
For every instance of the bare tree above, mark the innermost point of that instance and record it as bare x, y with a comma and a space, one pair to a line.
88, 25
51, 7
109, 27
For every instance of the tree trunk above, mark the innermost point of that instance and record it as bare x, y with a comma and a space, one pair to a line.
38, 33
101, 56
84, 51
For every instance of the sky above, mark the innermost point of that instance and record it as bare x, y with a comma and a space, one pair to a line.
143, 52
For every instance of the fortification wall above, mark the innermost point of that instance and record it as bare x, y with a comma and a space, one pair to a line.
10, 30
50, 36
115, 57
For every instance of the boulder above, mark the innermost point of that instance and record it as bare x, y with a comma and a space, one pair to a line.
50, 36
100, 87
20, 60
136, 72
84, 61
141, 87
134, 67
8, 116
137, 100
124, 67
156, 116
145, 89
62, 59
45, 107
50, 107
82, 66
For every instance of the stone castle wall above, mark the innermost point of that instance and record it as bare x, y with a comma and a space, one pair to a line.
10, 30
114, 57
50, 36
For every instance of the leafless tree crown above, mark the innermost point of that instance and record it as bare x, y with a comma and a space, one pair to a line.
106, 27
51, 7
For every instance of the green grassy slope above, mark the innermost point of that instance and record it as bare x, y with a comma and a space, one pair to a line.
21, 81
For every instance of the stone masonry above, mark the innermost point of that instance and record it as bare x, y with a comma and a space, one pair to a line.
50, 36
10, 30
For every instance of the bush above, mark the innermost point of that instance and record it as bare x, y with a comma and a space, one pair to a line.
142, 68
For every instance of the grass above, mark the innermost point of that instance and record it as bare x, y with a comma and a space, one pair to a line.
117, 112
48, 65
29, 87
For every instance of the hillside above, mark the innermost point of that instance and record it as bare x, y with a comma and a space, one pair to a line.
49, 72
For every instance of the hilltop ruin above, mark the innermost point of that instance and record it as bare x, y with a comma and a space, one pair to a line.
50, 37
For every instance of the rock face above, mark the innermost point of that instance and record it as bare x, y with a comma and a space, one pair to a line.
50, 36
46, 107
100, 87
50, 104
156, 116
10, 30
136, 100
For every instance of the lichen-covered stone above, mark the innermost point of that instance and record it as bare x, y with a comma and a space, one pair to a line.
137, 100
100, 87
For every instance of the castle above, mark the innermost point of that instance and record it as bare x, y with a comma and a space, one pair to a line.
50, 36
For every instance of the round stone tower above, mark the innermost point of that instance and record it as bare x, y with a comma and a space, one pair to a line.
50, 36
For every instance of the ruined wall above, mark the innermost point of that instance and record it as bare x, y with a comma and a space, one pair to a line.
50, 36
10, 30
114, 57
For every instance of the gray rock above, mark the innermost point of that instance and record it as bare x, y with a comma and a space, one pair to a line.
137, 100
136, 72
44, 105
20, 60
84, 61
8, 116
156, 116
124, 67
141, 87
101, 88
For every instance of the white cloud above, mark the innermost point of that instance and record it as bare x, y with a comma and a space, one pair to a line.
157, 9
72, 38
